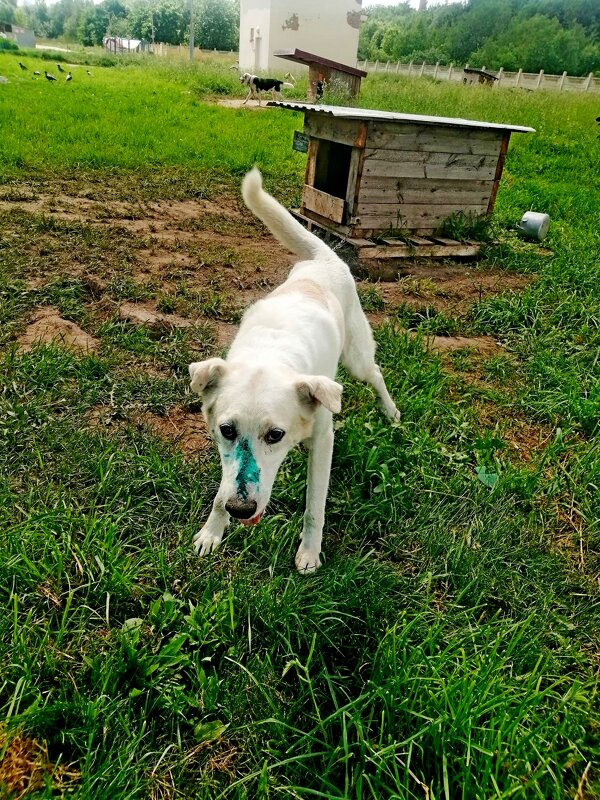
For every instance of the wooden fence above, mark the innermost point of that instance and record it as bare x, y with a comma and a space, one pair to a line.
525, 80
182, 51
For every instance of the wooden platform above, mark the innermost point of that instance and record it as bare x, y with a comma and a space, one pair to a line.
408, 247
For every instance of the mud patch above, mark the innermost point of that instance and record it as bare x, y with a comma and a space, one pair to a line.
48, 327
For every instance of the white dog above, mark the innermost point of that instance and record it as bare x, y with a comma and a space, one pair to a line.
277, 386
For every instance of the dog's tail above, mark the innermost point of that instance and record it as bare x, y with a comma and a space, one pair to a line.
287, 85
288, 231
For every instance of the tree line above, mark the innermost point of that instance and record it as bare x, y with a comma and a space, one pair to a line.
216, 22
553, 35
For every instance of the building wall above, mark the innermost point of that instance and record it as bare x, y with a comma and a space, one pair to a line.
255, 17
22, 36
328, 28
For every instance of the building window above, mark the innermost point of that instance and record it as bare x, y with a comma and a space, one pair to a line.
251, 34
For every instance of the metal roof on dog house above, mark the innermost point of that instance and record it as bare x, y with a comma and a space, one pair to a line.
376, 173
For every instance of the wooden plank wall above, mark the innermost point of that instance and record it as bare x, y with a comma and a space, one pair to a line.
343, 131
415, 176
325, 205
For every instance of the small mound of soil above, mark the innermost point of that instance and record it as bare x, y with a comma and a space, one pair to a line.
48, 327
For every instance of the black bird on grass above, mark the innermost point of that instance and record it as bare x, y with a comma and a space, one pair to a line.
37, 72
22, 65
598, 120
49, 77
59, 68
89, 73
69, 77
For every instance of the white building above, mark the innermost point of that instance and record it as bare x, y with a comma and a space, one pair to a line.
328, 28
21, 36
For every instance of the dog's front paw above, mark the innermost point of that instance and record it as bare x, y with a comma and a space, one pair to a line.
206, 542
307, 561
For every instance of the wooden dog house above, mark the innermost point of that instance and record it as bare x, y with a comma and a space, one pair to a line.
471, 76
325, 74
378, 174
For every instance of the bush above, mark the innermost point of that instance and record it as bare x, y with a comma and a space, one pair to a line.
8, 44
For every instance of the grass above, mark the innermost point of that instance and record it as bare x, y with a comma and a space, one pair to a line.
448, 646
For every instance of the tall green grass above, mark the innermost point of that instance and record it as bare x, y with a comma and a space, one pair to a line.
448, 646
136, 118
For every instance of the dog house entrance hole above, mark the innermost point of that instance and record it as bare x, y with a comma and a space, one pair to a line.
332, 168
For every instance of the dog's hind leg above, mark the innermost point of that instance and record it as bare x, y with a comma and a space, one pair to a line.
319, 467
209, 538
358, 356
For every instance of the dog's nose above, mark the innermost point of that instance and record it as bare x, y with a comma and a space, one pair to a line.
241, 509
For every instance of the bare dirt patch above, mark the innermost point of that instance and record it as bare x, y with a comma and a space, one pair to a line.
184, 429
146, 314
201, 242
224, 333
238, 102
48, 327
206, 242
449, 288
25, 767
206, 260
483, 345
524, 440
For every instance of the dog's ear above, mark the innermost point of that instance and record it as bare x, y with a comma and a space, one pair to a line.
205, 375
317, 389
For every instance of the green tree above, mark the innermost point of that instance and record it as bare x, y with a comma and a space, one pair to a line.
38, 18
217, 24
95, 20
553, 35
374, 28
482, 20
59, 13
90, 29
8, 10
541, 43
159, 20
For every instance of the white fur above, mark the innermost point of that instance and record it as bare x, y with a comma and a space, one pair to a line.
280, 374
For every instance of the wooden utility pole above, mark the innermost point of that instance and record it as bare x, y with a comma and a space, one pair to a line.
191, 30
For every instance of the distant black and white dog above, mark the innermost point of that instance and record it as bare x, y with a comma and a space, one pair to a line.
257, 85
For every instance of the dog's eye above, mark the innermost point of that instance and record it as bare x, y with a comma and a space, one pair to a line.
274, 435
228, 432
